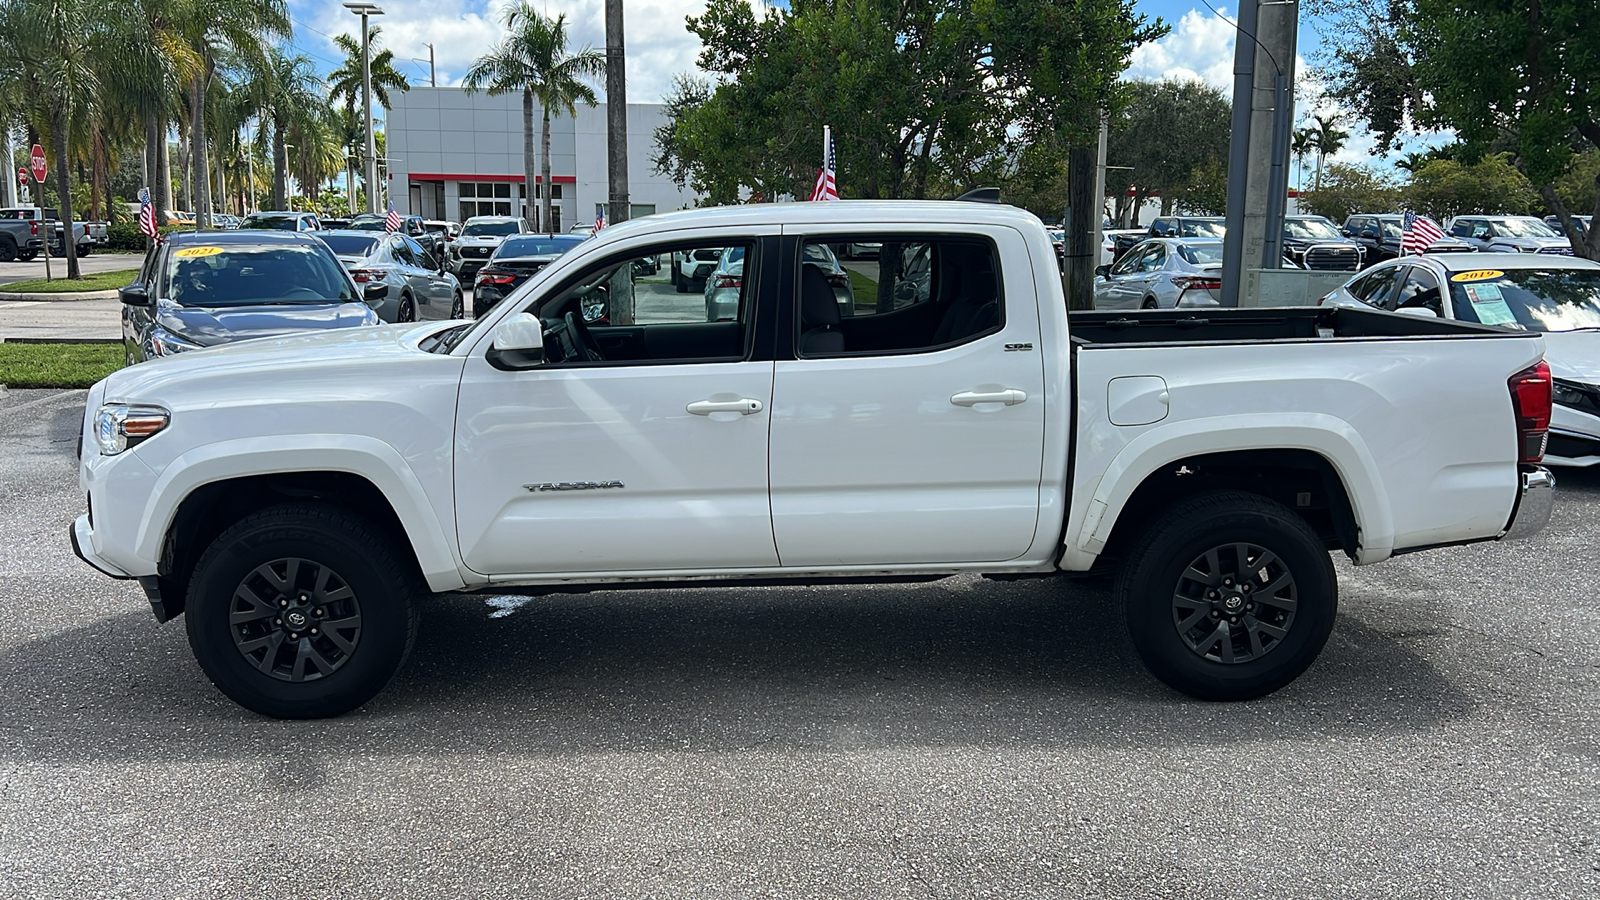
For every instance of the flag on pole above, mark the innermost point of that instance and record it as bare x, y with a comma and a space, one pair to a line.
599, 219
147, 214
826, 188
391, 222
1418, 234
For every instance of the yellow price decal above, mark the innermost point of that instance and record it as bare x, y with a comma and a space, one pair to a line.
192, 252
1477, 275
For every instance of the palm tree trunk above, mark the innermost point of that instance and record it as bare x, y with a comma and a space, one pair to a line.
202, 162
97, 152
161, 189
544, 167
529, 183
58, 127
280, 164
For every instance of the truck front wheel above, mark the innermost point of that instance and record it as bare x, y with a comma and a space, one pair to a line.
301, 611
1228, 596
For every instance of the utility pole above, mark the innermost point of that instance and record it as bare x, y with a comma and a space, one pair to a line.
433, 73
363, 10
616, 116
11, 167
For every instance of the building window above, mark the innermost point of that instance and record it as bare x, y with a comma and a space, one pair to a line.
485, 198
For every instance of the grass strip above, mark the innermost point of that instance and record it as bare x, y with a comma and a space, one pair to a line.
57, 365
99, 281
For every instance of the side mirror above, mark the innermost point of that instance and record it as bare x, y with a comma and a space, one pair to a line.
1102, 271
134, 295
518, 343
1420, 312
374, 291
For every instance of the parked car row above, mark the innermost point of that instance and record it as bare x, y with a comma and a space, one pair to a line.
24, 229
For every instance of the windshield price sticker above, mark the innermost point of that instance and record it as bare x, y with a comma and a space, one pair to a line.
1490, 304
1477, 275
192, 252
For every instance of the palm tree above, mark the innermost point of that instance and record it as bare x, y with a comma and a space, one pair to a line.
1414, 161
285, 90
533, 59
344, 86
1300, 146
213, 27
1328, 139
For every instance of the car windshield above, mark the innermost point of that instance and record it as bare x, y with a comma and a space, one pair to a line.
437, 227
489, 229
349, 244
367, 225
1529, 299
1310, 229
1202, 228
1523, 228
248, 274
536, 246
1391, 227
1202, 253
271, 223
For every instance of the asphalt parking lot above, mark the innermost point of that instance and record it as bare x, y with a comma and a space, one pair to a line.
959, 739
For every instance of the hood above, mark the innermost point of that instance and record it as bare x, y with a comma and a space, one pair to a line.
1533, 243
270, 358
1573, 355
479, 240
212, 325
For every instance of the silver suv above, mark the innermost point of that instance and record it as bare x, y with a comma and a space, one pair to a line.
1509, 234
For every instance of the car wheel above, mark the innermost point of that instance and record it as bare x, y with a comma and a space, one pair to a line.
457, 307
8, 251
1150, 303
408, 310
302, 611
84, 250
1228, 596
27, 255
680, 282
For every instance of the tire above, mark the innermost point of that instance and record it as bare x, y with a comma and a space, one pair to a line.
679, 282
408, 309
1159, 597
1150, 303
8, 250
27, 255
85, 250
458, 309
334, 554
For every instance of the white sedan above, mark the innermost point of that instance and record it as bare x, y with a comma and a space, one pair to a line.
1556, 295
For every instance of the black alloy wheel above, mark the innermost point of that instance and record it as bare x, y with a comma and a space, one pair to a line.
1228, 595
295, 619
408, 310
8, 251
458, 309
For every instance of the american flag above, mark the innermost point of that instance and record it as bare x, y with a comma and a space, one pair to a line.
826, 188
391, 222
147, 214
599, 219
1418, 234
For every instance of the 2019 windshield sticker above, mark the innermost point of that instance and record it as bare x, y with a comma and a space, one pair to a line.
541, 487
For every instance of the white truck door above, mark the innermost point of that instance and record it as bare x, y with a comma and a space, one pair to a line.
651, 458
909, 428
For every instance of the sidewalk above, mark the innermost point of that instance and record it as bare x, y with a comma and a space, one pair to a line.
61, 320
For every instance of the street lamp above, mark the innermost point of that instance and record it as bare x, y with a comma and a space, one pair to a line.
364, 9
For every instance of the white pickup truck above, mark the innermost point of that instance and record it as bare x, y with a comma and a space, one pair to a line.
299, 497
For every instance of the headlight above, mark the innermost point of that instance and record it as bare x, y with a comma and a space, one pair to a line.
162, 342
118, 426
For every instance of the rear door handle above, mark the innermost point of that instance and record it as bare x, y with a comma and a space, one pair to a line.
744, 406
1008, 396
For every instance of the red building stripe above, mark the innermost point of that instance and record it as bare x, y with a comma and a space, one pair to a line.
517, 179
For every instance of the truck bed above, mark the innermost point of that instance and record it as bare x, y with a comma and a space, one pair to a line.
1212, 326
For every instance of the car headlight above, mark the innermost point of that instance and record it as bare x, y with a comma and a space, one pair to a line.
162, 342
118, 426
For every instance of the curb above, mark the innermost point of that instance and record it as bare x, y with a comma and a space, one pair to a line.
62, 296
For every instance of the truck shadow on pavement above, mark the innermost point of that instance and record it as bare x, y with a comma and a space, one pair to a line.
962, 662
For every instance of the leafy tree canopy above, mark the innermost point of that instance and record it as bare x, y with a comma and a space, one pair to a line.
1445, 188
1351, 188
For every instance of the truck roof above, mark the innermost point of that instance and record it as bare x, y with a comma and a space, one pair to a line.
842, 212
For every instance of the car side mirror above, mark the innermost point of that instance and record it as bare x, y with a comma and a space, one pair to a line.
374, 291
134, 295
518, 343
1102, 271
1420, 312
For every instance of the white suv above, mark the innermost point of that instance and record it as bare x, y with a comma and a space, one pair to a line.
480, 237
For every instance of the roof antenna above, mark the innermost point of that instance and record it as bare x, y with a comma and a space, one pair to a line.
982, 195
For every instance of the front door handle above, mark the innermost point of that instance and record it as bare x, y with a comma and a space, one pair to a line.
1008, 396
744, 406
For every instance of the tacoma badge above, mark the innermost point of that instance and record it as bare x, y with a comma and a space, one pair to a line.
572, 486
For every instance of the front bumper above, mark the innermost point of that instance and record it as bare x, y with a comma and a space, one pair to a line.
82, 535
1535, 500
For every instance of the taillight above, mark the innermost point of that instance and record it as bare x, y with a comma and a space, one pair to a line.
33, 228
1530, 402
489, 276
1197, 283
839, 280
362, 276
727, 281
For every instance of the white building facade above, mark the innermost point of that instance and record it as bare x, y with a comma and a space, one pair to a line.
454, 155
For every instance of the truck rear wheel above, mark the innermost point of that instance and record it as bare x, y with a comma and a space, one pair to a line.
1228, 596
301, 611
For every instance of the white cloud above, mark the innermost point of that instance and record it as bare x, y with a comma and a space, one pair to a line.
1200, 48
658, 44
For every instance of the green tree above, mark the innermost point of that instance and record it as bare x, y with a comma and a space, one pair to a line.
344, 88
1205, 191
285, 91
1502, 74
1301, 146
1445, 188
1349, 189
1327, 138
1168, 132
533, 59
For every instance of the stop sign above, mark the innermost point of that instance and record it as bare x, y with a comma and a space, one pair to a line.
36, 162
22, 176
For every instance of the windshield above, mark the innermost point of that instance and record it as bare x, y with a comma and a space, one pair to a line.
271, 223
367, 225
1310, 230
489, 229
248, 274
536, 246
349, 244
1529, 299
437, 227
1201, 228
1202, 253
1391, 227
1524, 228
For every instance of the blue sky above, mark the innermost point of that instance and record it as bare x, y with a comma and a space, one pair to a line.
1200, 45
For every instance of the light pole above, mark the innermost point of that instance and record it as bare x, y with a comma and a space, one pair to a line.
363, 9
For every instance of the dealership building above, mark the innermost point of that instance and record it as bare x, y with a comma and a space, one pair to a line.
454, 155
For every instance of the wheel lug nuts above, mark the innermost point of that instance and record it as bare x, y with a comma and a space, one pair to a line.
318, 612
304, 597
277, 621
1245, 588
294, 635
1233, 618
283, 601
313, 631
1214, 614
1249, 606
